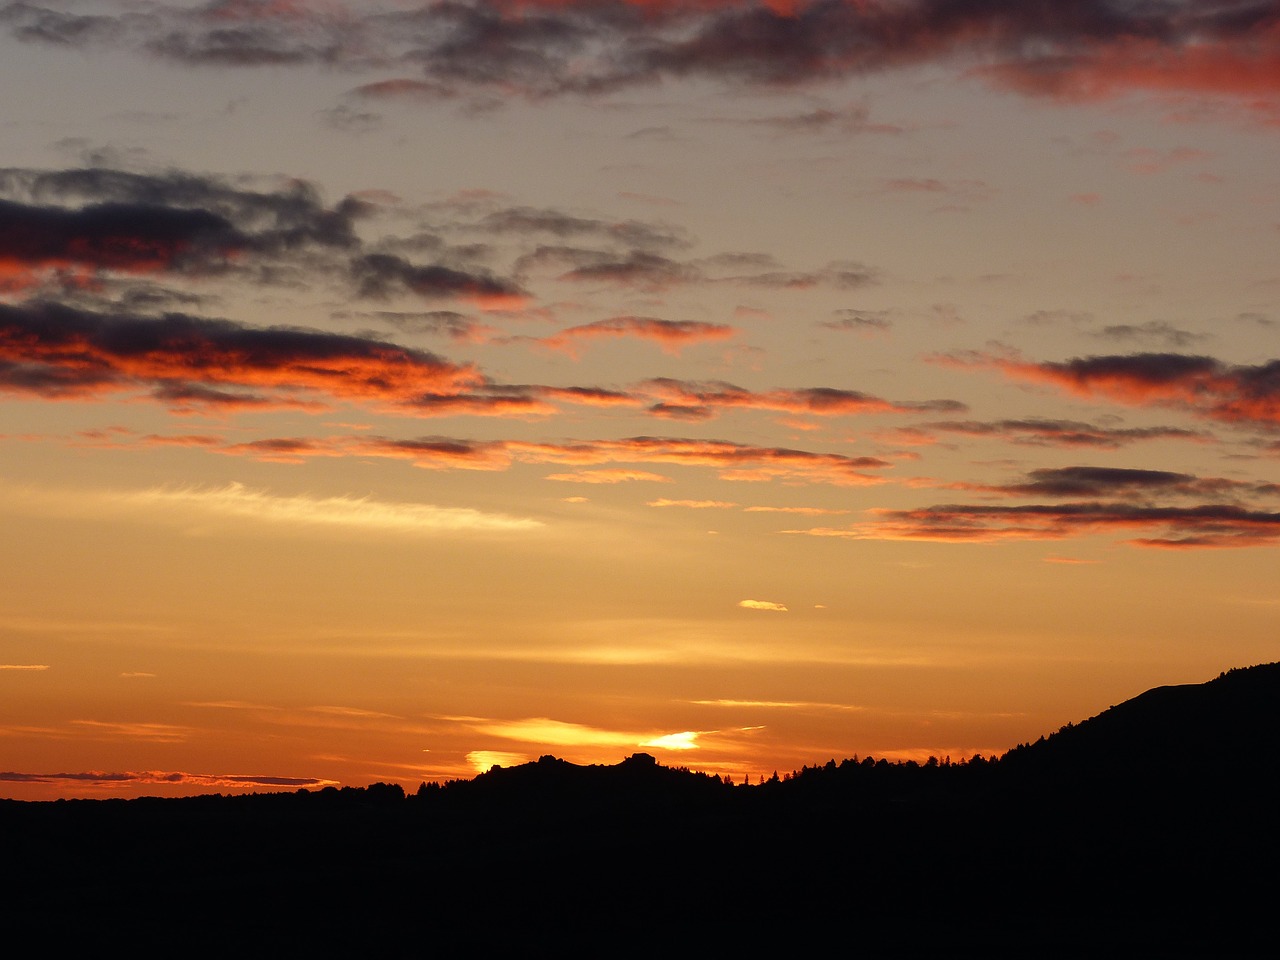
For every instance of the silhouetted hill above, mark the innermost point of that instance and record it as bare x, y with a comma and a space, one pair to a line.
1146, 830
1227, 729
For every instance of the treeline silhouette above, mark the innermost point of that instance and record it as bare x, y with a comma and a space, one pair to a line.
1147, 830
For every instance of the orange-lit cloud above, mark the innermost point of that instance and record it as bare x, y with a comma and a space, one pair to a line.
700, 400
1233, 393
609, 476
57, 351
671, 335
733, 461
1206, 525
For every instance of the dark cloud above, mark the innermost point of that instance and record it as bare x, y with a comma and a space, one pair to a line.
686, 399
633, 234
125, 237
1210, 525
850, 119
380, 275
78, 230
1154, 331
649, 271
545, 48
1108, 500
33, 23
1205, 525
1243, 394
285, 216
1118, 482
861, 321
1069, 433
840, 275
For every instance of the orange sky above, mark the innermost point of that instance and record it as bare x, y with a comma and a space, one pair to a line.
388, 390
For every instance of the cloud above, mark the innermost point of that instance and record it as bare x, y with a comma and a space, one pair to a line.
110, 237
734, 461
853, 118
96, 219
1203, 525
79, 229
380, 275
780, 705
1241, 394
693, 504
456, 326
24, 666
1166, 509
646, 271
631, 234
866, 322
767, 605
1112, 482
196, 504
609, 476
804, 511
671, 335
1034, 431
57, 352
159, 777
1153, 331
149, 732
703, 399
548, 48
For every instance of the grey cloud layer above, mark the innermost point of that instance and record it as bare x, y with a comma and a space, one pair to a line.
1084, 48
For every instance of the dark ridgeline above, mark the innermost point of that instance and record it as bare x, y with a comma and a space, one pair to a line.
1149, 830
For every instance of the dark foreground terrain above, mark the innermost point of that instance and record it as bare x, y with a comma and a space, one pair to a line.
1149, 830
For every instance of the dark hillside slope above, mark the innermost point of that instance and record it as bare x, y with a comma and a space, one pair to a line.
1225, 731
1148, 830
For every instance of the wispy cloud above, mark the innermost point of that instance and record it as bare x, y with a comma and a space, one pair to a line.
693, 504
1169, 527
672, 335
165, 778
192, 504
767, 605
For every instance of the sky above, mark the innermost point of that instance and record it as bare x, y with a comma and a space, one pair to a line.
391, 389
